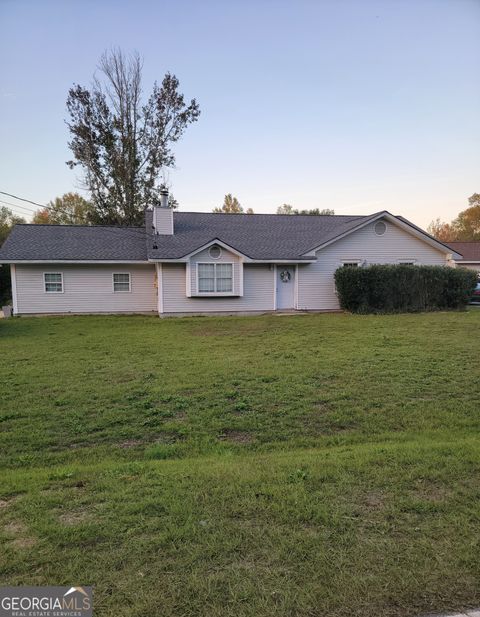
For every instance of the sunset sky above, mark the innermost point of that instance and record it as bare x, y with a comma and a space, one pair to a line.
358, 106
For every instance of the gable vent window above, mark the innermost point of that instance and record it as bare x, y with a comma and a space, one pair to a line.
121, 281
53, 282
215, 252
215, 278
380, 228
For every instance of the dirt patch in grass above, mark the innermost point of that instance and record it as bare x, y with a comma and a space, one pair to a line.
131, 443
374, 501
5, 503
432, 493
75, 517
23, 543
19, 529
236, 436
15, 528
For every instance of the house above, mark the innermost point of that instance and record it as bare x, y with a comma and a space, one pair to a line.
470, 252
199, 263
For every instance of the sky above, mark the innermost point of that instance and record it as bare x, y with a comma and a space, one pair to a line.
354, 105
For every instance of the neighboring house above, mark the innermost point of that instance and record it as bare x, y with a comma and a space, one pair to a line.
470, 252
186, 262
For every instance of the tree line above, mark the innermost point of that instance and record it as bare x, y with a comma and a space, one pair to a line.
465, 227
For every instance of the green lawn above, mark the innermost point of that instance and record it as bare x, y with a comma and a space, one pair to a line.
311, 465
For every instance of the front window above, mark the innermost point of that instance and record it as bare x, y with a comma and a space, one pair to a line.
215, 278
53, 282
350, 264
121, 281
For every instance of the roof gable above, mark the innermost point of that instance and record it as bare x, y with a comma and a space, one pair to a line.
399, 221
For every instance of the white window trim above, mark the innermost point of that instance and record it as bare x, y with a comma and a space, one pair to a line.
359, 262
45, 283
215, 293
13, 275
122, 291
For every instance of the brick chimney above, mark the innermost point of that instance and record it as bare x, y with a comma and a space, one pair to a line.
163, 215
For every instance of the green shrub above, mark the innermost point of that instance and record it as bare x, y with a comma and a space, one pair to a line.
403, 288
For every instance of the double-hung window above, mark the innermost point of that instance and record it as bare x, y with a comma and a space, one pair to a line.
121, 281
215, 278
53, 282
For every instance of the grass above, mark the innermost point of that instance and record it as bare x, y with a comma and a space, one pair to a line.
279, 465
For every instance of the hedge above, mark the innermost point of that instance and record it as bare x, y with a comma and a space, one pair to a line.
403, 288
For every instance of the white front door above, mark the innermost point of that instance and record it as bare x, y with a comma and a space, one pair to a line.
285, 287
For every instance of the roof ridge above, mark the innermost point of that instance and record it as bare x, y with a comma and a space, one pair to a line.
275, 214
77, 226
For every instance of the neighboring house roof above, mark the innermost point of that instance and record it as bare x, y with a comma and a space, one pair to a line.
74, 243
262, 237
257, 236
469, 250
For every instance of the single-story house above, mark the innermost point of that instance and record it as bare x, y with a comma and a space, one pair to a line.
199, 263
470, 252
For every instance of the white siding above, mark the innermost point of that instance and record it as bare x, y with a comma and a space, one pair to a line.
316, 286
87, 289
163, 220
258, 283
225, 257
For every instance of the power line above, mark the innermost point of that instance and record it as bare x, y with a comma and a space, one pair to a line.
23, 199
110, 228
9, 203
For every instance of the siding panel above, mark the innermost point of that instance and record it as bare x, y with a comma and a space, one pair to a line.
258, 291
87, 289
316, 286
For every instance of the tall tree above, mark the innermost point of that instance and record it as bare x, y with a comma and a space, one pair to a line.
288, 209
466, 227
231, 205
121, 141
467, 223
285, 209
7, 221
69, 209
441, 231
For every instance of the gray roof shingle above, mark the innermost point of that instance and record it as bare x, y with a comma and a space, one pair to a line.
258, 236
74, 242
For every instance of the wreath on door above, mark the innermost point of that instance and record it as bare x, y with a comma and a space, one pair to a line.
285, 276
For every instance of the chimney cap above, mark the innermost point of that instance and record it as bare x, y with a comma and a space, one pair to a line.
164, 197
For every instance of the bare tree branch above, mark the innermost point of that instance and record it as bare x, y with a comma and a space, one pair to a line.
121, 143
